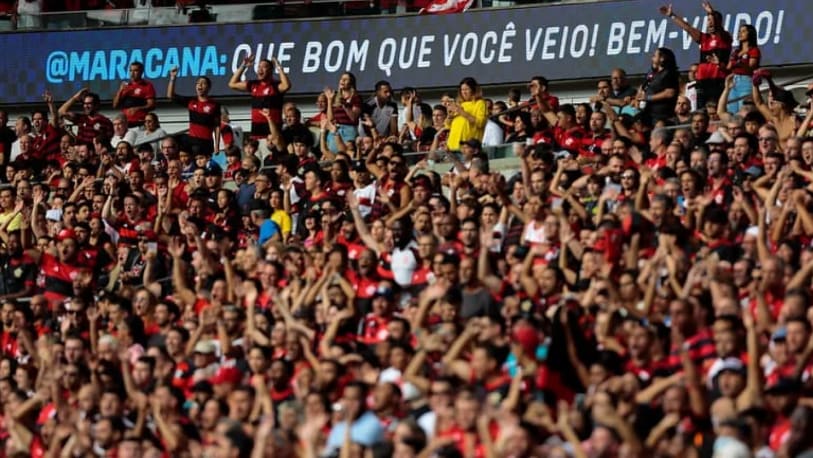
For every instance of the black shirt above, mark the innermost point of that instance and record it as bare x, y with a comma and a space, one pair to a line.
657, 82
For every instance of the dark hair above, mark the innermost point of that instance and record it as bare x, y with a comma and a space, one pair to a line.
541, 80
669, 61
382, 83
240, 440
751, 35
473, 84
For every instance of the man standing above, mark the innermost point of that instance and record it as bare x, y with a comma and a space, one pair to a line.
7, 137
621, 92
136, 97
540, 96
47, 134
22, 128
92, 124
381, 110
715, 49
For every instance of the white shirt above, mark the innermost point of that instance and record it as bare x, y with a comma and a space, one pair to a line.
366, 198
493, 134
403, 264
15, 149
129, 137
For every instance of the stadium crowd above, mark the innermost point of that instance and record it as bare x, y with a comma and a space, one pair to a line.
313, 287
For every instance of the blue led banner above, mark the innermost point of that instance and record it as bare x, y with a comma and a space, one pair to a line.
495, 46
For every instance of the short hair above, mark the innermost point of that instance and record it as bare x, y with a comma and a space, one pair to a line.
541, 80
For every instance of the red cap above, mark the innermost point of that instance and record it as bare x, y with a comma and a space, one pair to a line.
227, 374
48, 412
527, 338
66, 234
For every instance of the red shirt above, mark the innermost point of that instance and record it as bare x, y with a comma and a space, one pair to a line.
719, 44
468, 442
264, 94
135, 94
740, 62
779, 433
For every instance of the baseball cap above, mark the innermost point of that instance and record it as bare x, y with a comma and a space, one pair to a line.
474, 143
527, 338
779, 335
48, 412
66, 234
716, 139
422, 181
227, 374
784, 96
205, 347
727, 364
385, 292
782, 386
754, 171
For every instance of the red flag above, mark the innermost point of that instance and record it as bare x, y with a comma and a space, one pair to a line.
446, 6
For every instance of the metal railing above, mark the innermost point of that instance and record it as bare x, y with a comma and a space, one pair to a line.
227, 13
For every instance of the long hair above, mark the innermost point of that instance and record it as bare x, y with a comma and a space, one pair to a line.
669, 61
751, 35
477, 92
338, 99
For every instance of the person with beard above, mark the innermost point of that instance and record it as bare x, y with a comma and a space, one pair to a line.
17, 269
92, 124
165, 315
393, 193
403, 257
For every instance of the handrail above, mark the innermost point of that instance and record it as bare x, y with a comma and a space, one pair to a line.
234, 13
523, 106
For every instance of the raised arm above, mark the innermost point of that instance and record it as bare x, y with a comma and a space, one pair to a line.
722, 102
455, 366
284, 82
53, 115
693, 32
361, 226
64, 110
236, 77
173, 75
752, 395
759, 102
186, 295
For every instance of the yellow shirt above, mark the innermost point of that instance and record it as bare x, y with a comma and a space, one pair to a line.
283, 220
15, 224
463, 130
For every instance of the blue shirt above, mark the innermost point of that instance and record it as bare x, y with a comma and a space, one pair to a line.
245, 194
366, 430
267, 230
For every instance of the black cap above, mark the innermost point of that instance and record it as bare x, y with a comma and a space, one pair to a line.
786, 97
783, 386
